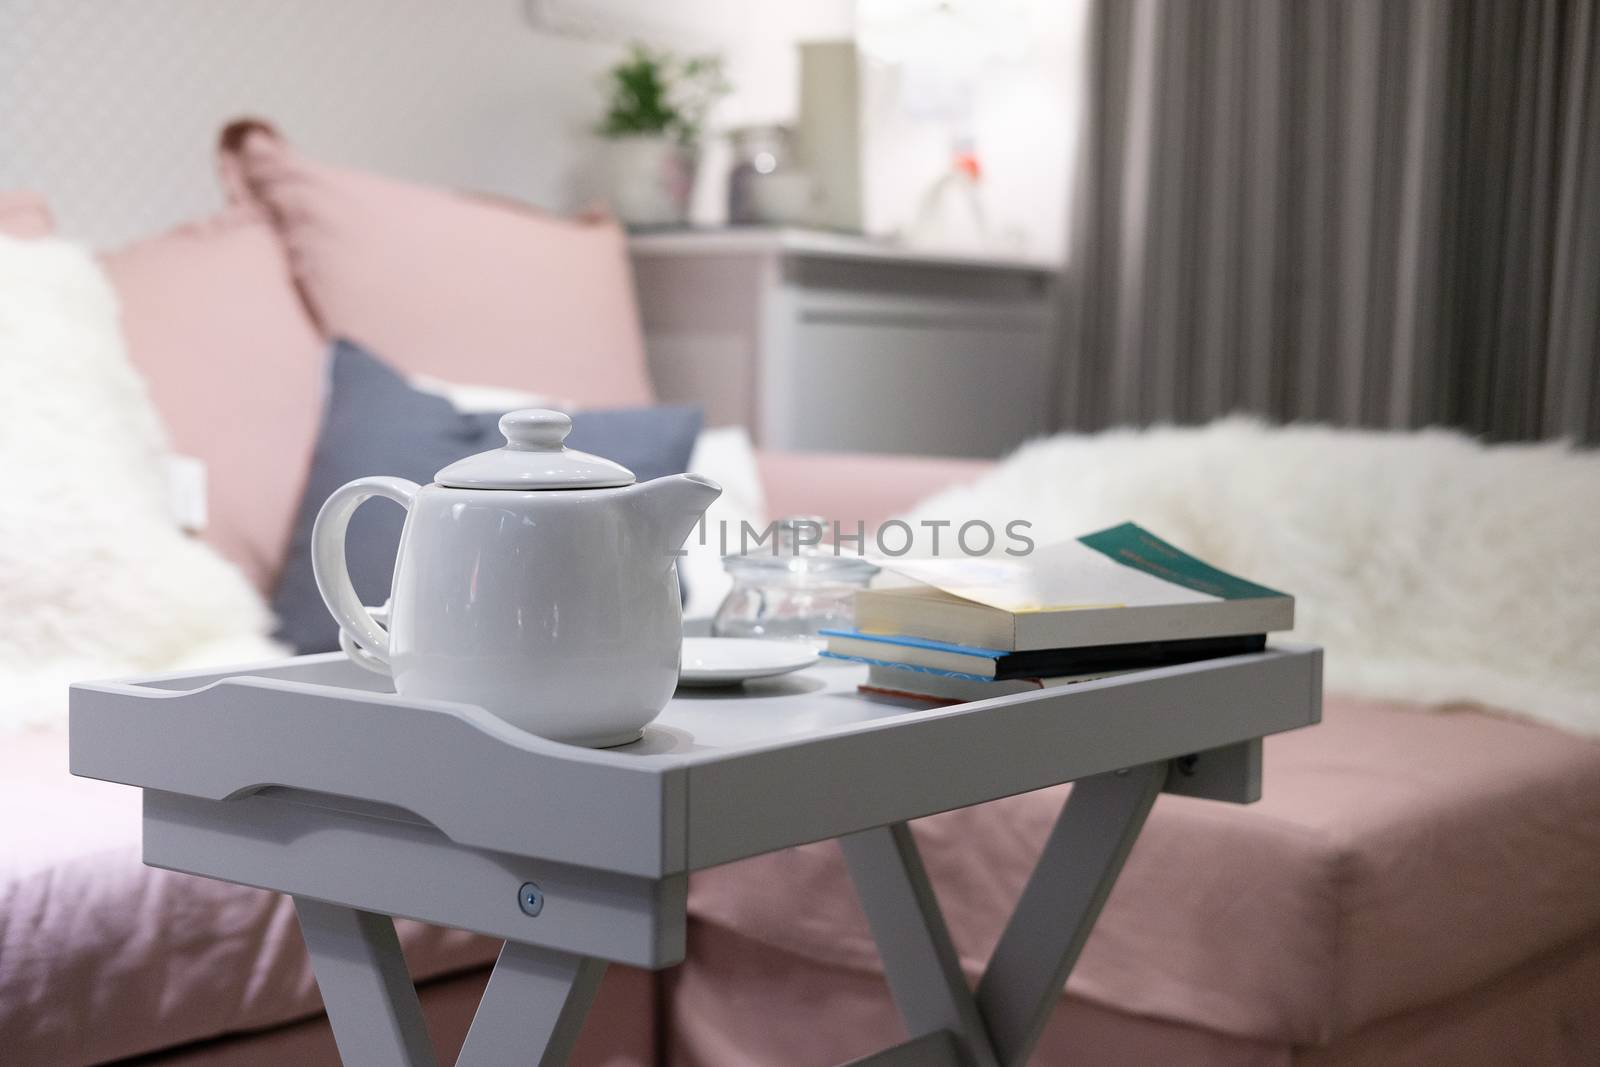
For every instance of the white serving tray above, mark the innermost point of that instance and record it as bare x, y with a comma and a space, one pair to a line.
307, 777
720, 775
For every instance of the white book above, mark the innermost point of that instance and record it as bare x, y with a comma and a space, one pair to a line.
1118, 586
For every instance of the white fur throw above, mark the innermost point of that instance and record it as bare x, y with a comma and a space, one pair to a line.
96, 579
1432, 568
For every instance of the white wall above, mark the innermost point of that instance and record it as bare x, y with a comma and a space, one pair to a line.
1024, 118
110, 107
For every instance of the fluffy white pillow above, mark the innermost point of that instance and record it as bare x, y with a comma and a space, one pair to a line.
97, 579
1431, 567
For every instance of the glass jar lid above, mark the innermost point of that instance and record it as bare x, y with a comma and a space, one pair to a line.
795, 561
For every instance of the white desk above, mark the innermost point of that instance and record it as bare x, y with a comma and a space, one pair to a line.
306, 777
823, 342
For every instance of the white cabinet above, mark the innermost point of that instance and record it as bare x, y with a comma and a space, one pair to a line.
825, 343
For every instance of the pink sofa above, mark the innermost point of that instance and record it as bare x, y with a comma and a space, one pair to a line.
1416, 888
102, 958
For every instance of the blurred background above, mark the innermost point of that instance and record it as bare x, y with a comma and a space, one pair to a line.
1308, 288
1377, 214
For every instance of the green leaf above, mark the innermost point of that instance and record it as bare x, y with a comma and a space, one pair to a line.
655, 92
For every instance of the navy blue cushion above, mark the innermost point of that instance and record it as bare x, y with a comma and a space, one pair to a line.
377, 423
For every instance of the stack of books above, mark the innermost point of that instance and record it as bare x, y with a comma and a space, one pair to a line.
1118, 600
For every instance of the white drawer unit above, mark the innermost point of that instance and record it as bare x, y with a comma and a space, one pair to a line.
819, 342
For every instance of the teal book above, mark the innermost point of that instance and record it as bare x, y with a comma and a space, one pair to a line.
1118, 586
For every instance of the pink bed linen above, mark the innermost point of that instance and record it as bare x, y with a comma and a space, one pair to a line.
102, 957
740, 1002
621, 1029
1398, 859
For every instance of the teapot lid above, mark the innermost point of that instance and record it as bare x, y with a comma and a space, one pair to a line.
534, 457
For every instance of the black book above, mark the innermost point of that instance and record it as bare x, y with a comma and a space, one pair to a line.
920, 653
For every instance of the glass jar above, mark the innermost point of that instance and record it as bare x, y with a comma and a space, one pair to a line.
792, 591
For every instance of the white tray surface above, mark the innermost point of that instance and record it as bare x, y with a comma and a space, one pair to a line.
721, 774
698, 724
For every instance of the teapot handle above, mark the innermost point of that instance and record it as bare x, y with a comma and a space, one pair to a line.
328, 563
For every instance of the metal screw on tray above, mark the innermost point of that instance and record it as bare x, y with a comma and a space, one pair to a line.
792, 586
530, 898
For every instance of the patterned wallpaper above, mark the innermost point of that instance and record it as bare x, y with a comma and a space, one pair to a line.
110, 107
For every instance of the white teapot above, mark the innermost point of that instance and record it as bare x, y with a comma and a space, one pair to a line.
533, 580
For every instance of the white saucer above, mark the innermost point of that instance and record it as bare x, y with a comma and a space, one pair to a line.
712, 661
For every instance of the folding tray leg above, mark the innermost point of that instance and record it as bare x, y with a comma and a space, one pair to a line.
372, 1005
919, 959
1076, 870
531, 1011
1000, 1025
536, 999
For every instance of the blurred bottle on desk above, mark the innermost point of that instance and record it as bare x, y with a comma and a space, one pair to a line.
766, 186
950, 213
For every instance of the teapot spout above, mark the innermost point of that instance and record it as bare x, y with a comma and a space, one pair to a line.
673, 505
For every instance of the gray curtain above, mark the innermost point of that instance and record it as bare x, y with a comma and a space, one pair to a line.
1365, 212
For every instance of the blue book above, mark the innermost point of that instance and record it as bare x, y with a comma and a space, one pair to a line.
906, 666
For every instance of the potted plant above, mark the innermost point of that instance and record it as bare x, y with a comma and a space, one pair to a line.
655, 111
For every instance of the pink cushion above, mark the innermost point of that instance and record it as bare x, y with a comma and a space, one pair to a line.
25, 215
1399, 858
236, 368
441, 283
854, 488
